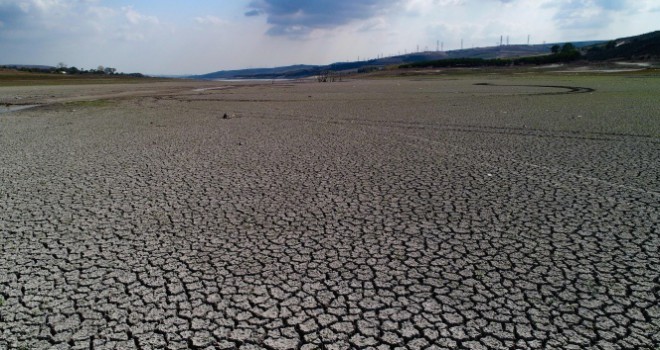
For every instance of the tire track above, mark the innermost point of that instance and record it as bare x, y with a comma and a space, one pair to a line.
570, 89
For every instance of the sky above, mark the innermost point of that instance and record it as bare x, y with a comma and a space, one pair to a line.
202, 36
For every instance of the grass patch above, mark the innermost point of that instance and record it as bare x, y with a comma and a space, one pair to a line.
92, 103
16, 78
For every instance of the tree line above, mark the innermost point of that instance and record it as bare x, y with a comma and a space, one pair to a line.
62, 68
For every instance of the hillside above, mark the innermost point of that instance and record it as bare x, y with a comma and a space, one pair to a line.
640, 47
301, 71
252, 72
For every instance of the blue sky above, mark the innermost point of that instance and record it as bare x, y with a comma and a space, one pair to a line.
190, 37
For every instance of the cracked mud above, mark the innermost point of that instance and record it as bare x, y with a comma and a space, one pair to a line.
394, 214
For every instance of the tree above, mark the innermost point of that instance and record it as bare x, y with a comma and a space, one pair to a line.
568, 48
100, 68
555, 48
61, 65
109, 70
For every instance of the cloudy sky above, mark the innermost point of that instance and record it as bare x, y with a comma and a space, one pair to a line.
201, 36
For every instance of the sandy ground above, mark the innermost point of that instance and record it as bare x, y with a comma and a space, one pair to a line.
476, 212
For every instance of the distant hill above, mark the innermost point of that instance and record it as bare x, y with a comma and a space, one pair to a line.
252, 72
640, 47
302, 71
26, 66
510, 51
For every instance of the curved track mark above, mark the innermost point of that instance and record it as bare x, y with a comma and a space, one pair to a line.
570, 89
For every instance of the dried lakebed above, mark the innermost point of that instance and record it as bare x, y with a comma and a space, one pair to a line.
475, 213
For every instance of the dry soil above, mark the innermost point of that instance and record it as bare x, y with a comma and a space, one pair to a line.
475, 212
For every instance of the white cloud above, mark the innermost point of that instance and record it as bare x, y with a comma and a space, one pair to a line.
210, 20
421, 7
374, 24
48, 5
135, 17
101, 12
